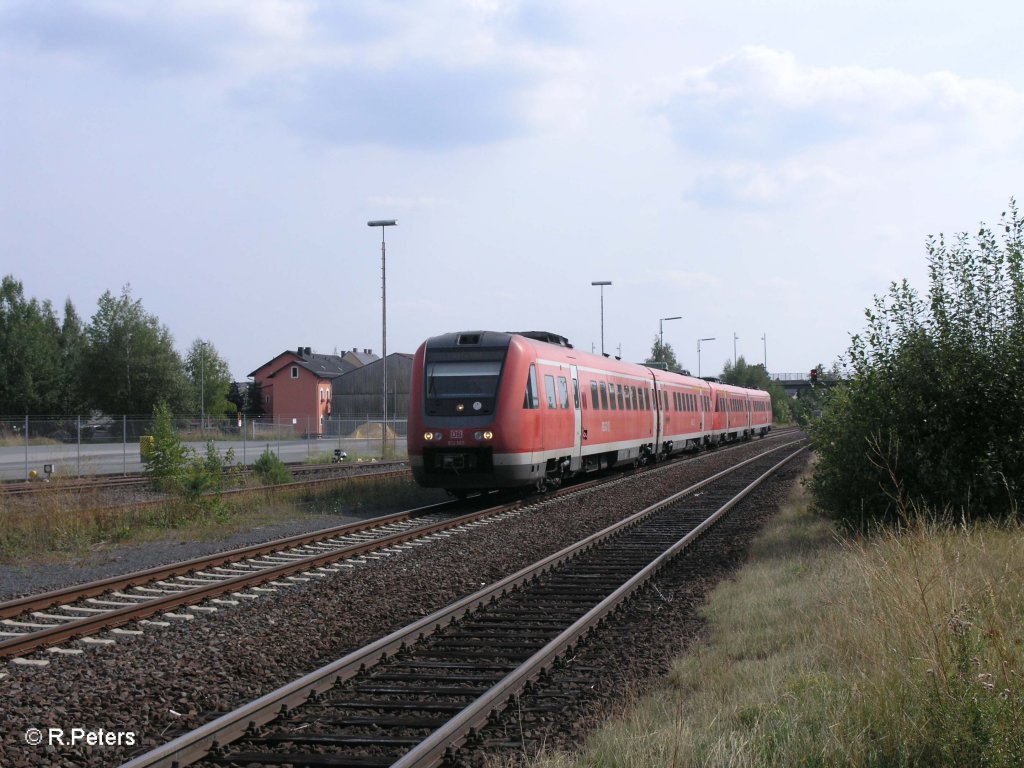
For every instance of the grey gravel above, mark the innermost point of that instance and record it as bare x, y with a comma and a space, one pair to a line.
170, 680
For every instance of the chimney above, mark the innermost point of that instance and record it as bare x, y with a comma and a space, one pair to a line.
309, 351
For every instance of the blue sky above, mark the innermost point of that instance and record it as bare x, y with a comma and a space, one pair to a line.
758, 168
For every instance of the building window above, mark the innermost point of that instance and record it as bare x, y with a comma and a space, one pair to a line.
295, 371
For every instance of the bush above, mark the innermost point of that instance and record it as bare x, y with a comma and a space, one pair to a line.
931, 417
270, 469
163, 455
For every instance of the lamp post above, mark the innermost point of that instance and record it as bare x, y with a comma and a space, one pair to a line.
602, 283
709, 338
764, 341
202, 386
661, 328
735, 338
383, 223
661, 336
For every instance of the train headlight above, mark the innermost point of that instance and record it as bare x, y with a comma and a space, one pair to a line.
428, 436
460, 407
483, 435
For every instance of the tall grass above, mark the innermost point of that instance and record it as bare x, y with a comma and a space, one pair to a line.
898, 649
56, 526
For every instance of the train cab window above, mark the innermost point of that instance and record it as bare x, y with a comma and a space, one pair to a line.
531, 400
563, 392
604, 396
593, 395
549, 389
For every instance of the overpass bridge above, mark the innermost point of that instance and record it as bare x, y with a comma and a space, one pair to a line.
797, 384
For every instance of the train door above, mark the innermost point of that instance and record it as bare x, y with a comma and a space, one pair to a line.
577, 440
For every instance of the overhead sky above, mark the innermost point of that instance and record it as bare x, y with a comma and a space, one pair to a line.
761, 169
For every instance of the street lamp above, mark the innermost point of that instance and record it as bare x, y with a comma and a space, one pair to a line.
602, 283
202, 386
764, 341
660, 334
710, 338
382, 223
661, 330
735, 338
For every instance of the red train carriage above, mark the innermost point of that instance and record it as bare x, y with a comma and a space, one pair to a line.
499, 410
739, 412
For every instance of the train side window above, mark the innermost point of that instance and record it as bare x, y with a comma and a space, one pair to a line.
611, 395
549, 389
629, 405
618, 394
604, 396
563, 392
531, 400
576, 392
664, 397
636, 400
647, 397
593, 395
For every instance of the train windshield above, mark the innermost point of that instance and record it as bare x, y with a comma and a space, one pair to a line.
476, 378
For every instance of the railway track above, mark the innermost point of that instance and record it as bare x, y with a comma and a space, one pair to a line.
178, 591
413, 697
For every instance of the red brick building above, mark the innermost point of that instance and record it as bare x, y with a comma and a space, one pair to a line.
298, 386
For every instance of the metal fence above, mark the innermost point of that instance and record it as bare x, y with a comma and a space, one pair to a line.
39, 446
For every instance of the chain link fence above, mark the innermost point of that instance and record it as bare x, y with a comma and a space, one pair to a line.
39, 447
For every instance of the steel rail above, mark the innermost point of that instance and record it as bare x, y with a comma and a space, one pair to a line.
432, 750
118, 617
44, 600
195, 745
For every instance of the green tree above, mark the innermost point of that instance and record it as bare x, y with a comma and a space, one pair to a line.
29, 351
72, 348
663, 353
930, 418
209, 380
130, 363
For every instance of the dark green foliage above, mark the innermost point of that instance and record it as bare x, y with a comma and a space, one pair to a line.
30, 353
932, 416
663, 353
209, 381
270, 469
130, 362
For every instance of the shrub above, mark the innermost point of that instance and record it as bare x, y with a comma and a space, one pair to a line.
270, 469
163, 455
930, 418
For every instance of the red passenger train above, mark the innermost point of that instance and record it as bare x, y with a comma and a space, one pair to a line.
502, 410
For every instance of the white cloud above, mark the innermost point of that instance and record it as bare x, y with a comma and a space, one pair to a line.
762, 126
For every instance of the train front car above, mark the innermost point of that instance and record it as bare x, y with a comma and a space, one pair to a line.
468, 427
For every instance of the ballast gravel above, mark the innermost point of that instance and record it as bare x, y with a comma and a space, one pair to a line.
112, 702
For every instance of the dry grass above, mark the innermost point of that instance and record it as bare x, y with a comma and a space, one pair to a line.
893, 650
57, 526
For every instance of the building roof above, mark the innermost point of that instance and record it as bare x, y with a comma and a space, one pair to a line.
324, 366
